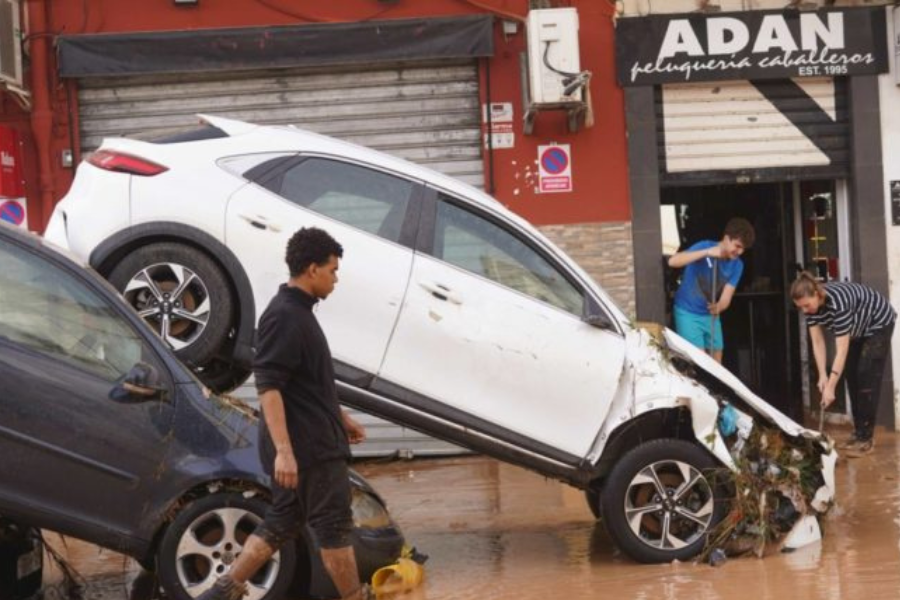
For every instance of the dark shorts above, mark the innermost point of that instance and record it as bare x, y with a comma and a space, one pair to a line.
322, 500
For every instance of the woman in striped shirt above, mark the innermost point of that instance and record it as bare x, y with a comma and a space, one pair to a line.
862, 321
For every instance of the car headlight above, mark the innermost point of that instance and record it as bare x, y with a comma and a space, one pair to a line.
368, 512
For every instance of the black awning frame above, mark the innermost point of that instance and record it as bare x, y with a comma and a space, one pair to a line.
330, 44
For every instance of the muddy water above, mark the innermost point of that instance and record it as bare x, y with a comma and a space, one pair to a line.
494, 531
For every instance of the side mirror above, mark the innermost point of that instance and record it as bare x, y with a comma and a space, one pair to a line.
141, 383
595, 316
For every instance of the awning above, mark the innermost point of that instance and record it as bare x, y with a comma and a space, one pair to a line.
99, 55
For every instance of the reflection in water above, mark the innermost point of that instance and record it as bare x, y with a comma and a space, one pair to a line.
494, 531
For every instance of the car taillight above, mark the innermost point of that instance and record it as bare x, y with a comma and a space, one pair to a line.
125, 163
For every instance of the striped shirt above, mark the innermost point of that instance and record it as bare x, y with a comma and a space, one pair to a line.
852, 308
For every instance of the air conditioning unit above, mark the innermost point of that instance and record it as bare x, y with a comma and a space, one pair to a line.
10, 44
553, 61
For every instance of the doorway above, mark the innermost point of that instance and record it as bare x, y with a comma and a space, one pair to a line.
762, 335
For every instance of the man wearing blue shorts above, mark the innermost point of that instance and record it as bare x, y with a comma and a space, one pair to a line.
712, 271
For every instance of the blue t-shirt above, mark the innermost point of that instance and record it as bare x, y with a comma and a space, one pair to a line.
694, 293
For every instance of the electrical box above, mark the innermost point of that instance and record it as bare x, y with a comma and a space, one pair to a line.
553, 59
10, 40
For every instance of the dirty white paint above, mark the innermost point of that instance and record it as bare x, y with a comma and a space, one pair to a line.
889, 100
725, 125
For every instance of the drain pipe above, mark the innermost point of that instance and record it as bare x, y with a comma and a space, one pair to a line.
41, 109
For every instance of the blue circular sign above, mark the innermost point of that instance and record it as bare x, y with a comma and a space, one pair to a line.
12, 212
554, 161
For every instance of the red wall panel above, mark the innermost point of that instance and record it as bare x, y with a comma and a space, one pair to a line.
599, 166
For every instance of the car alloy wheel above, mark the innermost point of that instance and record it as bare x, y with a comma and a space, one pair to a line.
662, 499
206, 538
669, 504
173, 299
183, 293
210, 547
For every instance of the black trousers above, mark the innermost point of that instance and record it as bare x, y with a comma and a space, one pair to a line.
864, 370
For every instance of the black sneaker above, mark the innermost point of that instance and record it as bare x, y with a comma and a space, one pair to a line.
225, 588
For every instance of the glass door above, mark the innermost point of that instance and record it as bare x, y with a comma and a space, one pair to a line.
821, 235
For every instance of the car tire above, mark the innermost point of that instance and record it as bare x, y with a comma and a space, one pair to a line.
195, 548
183, 294
223, 376
662, 499
592, 496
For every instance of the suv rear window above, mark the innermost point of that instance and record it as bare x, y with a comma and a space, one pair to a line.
206, 132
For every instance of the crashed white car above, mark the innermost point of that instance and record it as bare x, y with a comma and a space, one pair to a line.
452, 316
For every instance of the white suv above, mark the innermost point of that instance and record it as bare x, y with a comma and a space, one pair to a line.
452, 315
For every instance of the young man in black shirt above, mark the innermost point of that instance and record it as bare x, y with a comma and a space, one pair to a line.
305, 433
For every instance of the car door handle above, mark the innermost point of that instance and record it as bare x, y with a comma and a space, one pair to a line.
440, 291
260, 222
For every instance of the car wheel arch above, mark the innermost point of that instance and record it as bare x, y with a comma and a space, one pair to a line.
114, 249
655, 424
251, 488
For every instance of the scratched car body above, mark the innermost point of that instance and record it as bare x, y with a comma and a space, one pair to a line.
107, 437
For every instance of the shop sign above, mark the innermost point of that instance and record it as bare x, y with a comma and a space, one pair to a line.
751, 45
10, 164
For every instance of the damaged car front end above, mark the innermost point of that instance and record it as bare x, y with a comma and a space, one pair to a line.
691, 460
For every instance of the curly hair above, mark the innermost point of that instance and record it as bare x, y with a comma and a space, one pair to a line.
310, 245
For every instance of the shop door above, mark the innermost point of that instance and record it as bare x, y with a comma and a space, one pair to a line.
760, 337
822, 243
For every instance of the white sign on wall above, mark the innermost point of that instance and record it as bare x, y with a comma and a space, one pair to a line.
498, 131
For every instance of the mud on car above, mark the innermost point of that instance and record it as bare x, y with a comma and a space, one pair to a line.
107, 437
453, 316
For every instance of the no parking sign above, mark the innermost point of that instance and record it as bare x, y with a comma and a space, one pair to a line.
554, 168
13, 211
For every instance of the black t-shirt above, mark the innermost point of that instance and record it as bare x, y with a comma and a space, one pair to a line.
292, 356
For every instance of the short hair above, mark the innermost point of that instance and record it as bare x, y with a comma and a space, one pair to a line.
310, 245
741, 229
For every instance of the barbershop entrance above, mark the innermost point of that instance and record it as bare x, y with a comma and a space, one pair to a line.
798, 225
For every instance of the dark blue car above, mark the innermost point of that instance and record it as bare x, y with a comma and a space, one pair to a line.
106, 437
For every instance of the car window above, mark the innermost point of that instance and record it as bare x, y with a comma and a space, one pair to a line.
471, 242
363, 198
47, 309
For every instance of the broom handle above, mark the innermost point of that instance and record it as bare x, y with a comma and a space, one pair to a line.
712, 315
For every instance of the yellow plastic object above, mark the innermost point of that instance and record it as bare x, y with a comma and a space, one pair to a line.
402, 576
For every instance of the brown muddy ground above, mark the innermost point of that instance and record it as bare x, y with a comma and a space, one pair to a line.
494, 531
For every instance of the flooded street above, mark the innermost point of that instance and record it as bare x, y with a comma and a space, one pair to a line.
495, 531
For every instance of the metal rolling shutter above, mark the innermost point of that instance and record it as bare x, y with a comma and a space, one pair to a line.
425, 114
717, 132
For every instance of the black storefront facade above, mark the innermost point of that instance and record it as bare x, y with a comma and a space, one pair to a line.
772, 116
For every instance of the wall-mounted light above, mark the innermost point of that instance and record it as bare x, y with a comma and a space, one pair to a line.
186, 2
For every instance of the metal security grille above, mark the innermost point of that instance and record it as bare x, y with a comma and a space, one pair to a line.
426, 114
709, 132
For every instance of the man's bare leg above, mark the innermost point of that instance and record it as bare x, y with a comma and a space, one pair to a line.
255, 554
341, 565
233, 585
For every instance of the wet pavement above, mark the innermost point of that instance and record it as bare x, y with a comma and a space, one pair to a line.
494, 531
